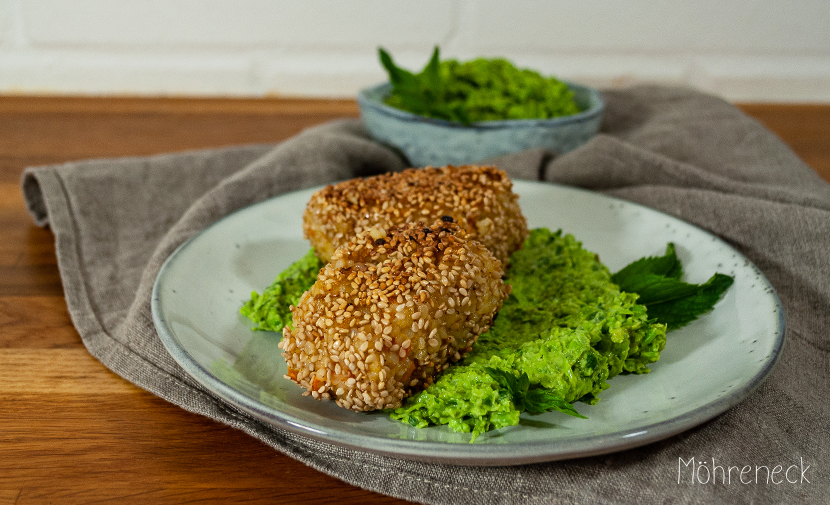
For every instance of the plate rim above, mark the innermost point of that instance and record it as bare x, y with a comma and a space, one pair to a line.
473, 454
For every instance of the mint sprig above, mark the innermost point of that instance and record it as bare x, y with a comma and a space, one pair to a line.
535, 400
675, 303
422, 93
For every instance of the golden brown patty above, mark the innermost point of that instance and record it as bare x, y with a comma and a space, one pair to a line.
480, 199
390, 311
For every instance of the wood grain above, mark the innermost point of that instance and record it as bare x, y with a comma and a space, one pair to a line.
71, 431
805, 128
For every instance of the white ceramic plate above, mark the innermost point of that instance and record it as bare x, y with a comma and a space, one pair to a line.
707, 367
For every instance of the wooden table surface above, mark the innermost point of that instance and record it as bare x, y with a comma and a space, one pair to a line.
71, 431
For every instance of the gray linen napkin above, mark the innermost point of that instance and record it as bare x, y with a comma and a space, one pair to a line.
676, 150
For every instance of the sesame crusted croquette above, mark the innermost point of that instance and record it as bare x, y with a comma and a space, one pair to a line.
390, 311
479, 198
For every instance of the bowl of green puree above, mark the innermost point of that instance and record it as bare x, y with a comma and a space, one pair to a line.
454, 113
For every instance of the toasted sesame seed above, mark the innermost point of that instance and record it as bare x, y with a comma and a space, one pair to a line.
362, 340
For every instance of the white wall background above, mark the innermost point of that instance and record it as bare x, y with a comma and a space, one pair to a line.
752, 50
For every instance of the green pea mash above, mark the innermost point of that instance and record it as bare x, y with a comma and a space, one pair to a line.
270, 310
566, 327
477, 90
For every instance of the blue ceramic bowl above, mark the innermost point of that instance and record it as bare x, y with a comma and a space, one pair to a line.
436, 142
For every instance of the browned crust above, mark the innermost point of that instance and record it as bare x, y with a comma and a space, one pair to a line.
479, 198
391, 310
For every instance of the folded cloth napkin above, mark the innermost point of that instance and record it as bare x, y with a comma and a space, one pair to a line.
676, 150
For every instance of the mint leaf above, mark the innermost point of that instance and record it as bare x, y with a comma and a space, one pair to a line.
657, 288
542, 400
669, 300
420, 93
536, 400
506, 380
667, 265
403, 81
681, 311
432, 72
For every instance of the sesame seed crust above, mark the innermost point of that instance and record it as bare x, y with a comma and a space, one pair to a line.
479, 198
389, 312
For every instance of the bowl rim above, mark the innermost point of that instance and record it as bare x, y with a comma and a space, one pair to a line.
595, 99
